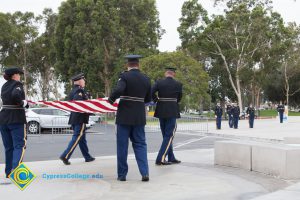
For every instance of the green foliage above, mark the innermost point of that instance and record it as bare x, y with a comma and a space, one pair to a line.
243, 47
189, 72
92, 36
18, 30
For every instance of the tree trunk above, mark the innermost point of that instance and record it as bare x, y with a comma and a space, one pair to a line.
25, 71
238, 93
287, 85
257, 103
237, 87
107, 87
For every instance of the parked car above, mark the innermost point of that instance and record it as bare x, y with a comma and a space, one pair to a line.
243, 114
48, 118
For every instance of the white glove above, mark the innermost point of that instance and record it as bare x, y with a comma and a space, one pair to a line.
25, 104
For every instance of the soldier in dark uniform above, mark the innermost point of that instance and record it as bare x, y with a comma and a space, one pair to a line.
251, 115
280, 110
235, 115
229, 113
134, 90
13, 119
169, 93
78, 122
218, 115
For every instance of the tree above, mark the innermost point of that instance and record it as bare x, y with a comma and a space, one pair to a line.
42, 58
20, 31
290, 61
237, 38
92, 36
189, 72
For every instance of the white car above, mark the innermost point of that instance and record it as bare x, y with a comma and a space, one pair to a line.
48, 118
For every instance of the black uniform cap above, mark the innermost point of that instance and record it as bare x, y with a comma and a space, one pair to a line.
133, 58
78, 77
173, 69
13, 70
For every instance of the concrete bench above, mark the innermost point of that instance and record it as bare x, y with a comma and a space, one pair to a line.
233, 154
291, 140
278, 160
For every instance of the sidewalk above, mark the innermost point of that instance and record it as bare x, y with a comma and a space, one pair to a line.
196, 178
268, 130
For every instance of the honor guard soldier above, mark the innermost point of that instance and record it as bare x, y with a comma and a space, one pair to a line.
229, 113
218, 115
280, 110
235, 115
251, 115
78, 122
13, 119
169, 93
134, 90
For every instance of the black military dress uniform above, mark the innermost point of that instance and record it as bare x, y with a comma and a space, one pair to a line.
280, 110
13, 120
169, 94
218, 114
134, 90
251, 114
229, 113
78, 122
236, 116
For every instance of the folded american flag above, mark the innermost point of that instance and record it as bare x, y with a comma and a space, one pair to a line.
99, 105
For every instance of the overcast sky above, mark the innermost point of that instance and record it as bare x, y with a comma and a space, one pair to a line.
170, 12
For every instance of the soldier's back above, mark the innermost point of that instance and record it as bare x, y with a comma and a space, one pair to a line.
131, 109
169, 93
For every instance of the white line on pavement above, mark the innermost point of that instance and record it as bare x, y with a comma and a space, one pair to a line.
189, 142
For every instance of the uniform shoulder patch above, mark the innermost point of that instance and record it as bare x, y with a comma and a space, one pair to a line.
18, 88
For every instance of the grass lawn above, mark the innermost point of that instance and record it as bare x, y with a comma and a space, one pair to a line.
273, 113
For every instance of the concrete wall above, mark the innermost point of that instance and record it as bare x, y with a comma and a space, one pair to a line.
273, 159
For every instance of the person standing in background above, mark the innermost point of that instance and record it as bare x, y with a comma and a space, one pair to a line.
218, 115
236, 115
280, 110
251, 115
229, 113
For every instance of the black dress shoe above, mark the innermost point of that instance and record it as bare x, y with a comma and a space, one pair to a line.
163, 163
175, 161
90, 159
121, 179
65, 161
145, 178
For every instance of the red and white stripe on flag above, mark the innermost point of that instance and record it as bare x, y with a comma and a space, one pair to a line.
88, 106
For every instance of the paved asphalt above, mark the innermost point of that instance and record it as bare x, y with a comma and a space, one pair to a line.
102, 142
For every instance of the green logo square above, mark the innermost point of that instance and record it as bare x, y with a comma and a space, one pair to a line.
22, 176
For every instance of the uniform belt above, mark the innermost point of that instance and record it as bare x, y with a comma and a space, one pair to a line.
11, 107
129, 98
167, 99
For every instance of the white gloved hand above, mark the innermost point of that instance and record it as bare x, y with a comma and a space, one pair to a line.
25, 104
